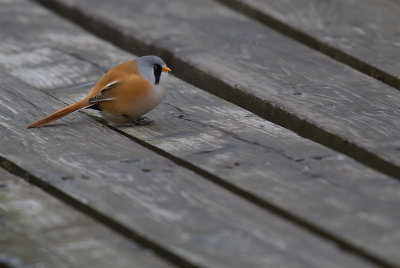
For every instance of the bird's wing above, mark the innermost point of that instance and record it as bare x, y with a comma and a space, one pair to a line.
106, 93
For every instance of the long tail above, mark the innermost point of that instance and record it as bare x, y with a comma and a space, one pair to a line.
61, 113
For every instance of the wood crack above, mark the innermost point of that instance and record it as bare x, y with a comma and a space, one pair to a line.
238, 137
80, 58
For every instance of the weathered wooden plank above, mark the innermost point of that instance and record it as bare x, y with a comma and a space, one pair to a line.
360, 33
321, 186
314, 183
190, 218
155, 198
259, 69
38, 230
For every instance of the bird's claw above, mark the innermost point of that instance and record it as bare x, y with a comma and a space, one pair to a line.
142, 121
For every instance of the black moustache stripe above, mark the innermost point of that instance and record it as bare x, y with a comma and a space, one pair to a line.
157, 74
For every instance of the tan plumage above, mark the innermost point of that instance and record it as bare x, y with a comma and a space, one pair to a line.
124, 93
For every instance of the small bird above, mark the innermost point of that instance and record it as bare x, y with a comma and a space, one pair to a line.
123, 94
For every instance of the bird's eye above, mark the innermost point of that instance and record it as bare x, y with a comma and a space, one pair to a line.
154, 67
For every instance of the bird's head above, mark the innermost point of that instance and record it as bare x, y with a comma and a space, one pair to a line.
152, 68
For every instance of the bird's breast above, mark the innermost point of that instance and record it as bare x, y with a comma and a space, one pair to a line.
145, 103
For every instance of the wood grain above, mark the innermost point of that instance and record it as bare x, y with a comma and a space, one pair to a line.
314, 183
362, 34
38, 230
326, 189
244, 62
132, 187
151, 196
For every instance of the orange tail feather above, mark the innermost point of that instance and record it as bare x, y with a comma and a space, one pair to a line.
61, 113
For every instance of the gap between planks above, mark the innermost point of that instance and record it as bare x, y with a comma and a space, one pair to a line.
163, 252
96, 215
193, 75
303, 223
276, 210
312, 42
6, 265
249, 196
254, 199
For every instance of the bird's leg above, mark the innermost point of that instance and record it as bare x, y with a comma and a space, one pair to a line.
141, 121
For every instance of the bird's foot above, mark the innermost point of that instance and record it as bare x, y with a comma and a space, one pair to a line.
142, 121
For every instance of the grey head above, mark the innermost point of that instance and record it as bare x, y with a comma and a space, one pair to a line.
152, 68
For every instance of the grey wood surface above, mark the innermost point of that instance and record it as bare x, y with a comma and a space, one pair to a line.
37, 230
124, 184
156, 199
249, 64
319, 185
361, 33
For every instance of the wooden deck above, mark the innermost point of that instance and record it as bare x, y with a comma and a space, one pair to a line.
277, 144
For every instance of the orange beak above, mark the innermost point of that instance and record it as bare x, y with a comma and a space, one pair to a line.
166, 69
